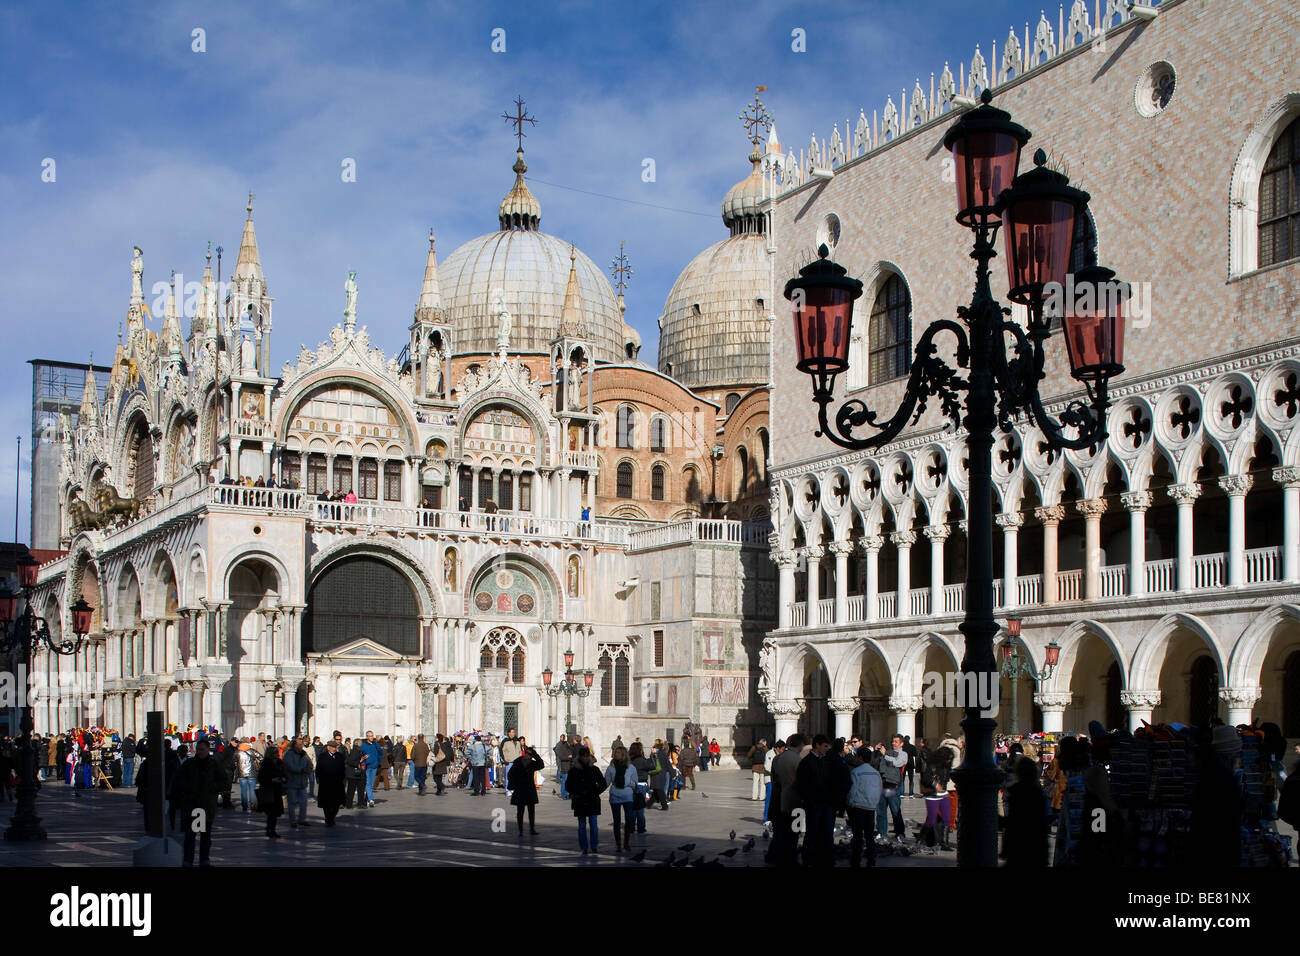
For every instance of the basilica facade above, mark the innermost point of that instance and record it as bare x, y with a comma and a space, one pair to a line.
1164, 564
408, 543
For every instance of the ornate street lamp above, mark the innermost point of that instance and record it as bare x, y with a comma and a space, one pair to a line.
1037, 210
569, 688
25, 634
1014, 667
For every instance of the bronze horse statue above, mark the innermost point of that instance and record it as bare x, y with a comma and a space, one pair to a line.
112, 505
82, 517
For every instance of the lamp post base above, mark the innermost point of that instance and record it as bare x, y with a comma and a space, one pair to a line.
25, 828
978, 780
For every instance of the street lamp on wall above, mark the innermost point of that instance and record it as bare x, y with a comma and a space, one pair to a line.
993, 380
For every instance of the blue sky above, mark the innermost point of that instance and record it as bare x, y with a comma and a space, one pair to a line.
156, 145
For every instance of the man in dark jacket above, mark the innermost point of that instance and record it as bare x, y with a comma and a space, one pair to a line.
331, 773
420, 761
910, 749
687, 758
198, 783
128, 760
817, 783
563, 761
228, 760
441, 757
356, 778
785, 800
397, 756
586, 784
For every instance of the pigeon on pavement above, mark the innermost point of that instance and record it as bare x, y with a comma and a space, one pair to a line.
733, 834
687, 847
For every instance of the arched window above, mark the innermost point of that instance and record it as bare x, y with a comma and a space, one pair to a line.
605, 667
889, 334
1279, 200
503, 659
368, 479
659, 434
626, 424
517, 666
392, 481
622, 680
733, 399
624, 479
742, 470
657, 475
485, 658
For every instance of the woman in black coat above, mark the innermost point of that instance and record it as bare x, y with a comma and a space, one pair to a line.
331, 776
271, 780
585, 784
1025, 844
522, 784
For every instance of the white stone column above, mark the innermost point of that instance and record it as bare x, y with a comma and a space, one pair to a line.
871, 546
905, 707
1289, 479
938, 534
1241, 703
1185, 497
1236, 486
787, 714
841, 550
903, 541
1092, 509
1053, 706
1010, 522
1050, 516
813, 556
786, 561
1137, 503
473, 489
1140, 705
844, 708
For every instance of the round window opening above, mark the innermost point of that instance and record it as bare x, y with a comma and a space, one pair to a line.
1155, 89
257, 529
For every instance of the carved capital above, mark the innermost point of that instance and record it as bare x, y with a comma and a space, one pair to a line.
1091, 507
1184, 494
814, 552
1050, 514
785, 708
1139, 699
905, 703
1236, 486
937, 532
843, 705
871, 543
1288, 477
1009, 519
786, 560
1240, 697
903, 539
843, 548
1052, 702
1136, 500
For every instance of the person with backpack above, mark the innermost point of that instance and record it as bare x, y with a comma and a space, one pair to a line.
621, 778
660, 775
757, 757
641, 795
442, 754
892, 762
586, 784
863, 798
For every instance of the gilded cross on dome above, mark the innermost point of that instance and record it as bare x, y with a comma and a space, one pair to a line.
756, 118
620, 270
518, 120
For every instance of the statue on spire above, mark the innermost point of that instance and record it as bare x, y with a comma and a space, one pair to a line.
350, 310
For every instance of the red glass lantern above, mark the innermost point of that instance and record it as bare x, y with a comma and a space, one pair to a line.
1038, 214
1013, 626
7, 603
985, 147
588, 677
28, 567
568, 676
82, 616
822, 298
1094, 323
547, 676
1053, 654
1007, 650
568, 659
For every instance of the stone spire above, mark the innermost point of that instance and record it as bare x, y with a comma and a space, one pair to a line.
520, 209
136, 311
88, 416
570, 317
430, 304
171, 329
205, 314
248, 266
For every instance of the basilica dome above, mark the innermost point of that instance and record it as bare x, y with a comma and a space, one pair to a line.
715, 330
531, 271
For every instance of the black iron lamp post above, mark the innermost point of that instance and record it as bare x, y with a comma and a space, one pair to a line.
1037, 210
1014, 667
25, 635
569, 688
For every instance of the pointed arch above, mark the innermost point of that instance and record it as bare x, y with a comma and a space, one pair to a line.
1144, 671
1248, 653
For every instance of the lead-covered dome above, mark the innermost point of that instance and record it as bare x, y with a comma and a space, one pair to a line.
715, 329
531, 270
